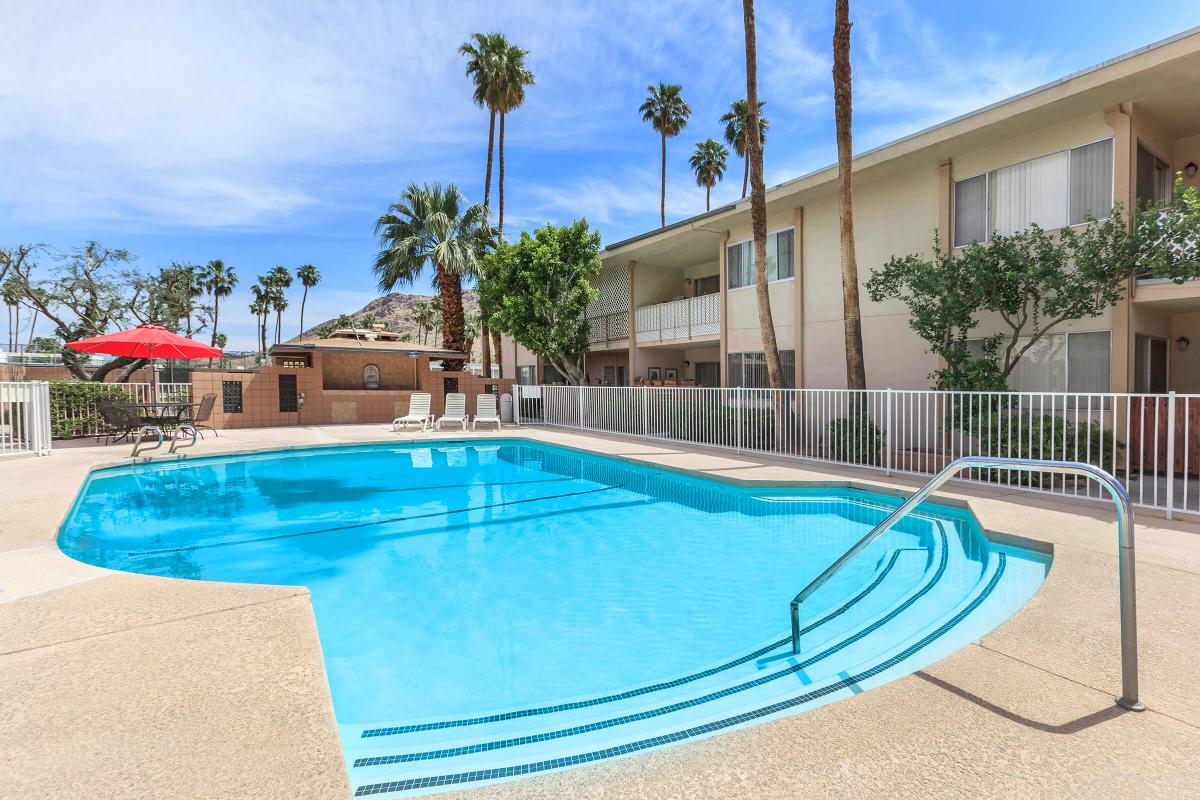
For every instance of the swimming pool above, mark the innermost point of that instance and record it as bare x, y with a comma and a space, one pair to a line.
497, 608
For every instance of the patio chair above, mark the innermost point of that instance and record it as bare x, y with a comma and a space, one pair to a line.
119, 418
456, 410
418, 412
202, 414
485, 410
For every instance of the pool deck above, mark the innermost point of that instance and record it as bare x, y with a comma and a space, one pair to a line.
121, 686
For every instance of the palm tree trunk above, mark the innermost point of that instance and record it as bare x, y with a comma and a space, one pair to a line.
500, 186
32, 328
708, 198
303, 300
487, 179
216, 318
856, 373
453, 319
758, 204
498, 351
485, 347
745, 174
662, 202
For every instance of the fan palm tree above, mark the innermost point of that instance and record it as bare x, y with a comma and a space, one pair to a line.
758, 202
512, 77
735, 133
484, 53
260, 306
219, 280
856, 371
432, 224
309, 277
708, 162
280, 280
667, 112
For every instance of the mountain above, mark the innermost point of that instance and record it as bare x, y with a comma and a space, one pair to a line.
396, 310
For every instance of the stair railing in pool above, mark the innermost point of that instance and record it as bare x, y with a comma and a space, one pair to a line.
1129, 670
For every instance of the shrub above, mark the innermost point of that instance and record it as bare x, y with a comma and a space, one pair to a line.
855, 440
75, 407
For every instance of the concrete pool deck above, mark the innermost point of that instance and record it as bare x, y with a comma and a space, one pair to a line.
120, 685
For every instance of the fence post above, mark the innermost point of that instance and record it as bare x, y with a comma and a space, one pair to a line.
1171, 455
739, 418
887, 431
645, 411
517, 404
579, 392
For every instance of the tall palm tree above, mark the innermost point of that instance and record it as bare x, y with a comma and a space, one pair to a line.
758, 202
260, 306
432, 224
668, 114
280, 280
512, 78
856, 371
735, 133
309, 277
219, 281
708, 162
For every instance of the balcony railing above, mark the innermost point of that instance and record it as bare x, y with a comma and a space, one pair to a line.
679, 319
608, 328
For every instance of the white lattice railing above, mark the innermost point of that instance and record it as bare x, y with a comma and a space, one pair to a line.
1151, 442
679, 319
608, 327
24, 419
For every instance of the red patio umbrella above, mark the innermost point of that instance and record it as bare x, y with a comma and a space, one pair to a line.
146, 341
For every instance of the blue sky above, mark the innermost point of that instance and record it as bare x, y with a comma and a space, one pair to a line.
275, 133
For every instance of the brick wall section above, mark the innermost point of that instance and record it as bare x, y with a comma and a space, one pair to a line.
334, 406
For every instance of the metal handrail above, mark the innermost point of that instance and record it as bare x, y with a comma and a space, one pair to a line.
1129, 670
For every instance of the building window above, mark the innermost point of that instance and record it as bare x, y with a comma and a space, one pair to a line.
739, 259
708, 373
287, 393
292, 361
1052, 191
1060, 362
231, 397
1153, 178
749, 370
526, 375
709, 284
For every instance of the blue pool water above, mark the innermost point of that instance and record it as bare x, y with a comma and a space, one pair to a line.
495, 609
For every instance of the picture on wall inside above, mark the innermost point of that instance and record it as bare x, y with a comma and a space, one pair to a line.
671, 374
655, 373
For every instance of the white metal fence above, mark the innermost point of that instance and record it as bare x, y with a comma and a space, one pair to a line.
73, 415
24, 419
1151, 442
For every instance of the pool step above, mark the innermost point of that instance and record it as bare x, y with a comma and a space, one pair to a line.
413, 760
402, 772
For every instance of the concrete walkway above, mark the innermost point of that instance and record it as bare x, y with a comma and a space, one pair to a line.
119, 685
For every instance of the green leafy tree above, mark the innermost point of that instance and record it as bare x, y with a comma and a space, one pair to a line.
309, 277
708, 162
668, 113
432, 224
1032, 280
44, 344
539, 289
1169, 238
735, 133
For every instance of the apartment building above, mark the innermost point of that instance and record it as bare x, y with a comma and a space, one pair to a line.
679, 302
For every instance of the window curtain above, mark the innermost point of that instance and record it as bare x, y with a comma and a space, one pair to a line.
1091, 181
1087, 362
1031, 192
970, 211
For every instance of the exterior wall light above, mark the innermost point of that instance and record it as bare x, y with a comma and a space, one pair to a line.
1183, 343
1190, 169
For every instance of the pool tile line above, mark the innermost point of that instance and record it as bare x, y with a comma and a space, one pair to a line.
848, 682
373, 761
676, 682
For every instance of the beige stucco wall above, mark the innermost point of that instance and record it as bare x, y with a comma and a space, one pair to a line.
652, 284
1185, 364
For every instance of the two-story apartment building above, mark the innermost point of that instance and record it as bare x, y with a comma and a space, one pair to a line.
680, 301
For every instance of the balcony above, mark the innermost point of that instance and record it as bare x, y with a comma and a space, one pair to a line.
688, 319
608, 329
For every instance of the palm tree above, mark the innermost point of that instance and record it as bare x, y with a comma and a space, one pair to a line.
758, 202
280, 279
511, 79
668, 114
11, 292
425, 315
856, 371
708, 162
259, 307
484, 52
431, 224
735, 133
309, 277
219, 280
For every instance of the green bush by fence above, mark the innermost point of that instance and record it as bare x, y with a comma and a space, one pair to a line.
75, 407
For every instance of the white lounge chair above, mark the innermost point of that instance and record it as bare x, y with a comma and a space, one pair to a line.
456, 410
485, 410
418, 412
